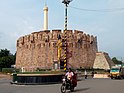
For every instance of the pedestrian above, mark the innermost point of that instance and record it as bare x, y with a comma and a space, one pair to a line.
92, 74
85, 73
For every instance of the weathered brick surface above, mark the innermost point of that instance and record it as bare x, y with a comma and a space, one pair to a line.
39, 49
103, 61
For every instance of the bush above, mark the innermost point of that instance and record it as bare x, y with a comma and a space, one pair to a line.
0, 69
9, 70
39, 69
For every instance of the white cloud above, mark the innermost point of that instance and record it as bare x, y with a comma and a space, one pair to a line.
116, 3
18, 18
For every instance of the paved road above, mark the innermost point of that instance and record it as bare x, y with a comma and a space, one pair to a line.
84, 86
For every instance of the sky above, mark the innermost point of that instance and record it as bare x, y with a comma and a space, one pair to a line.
101, 18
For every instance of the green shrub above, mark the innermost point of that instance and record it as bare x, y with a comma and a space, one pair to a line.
9, 70
0, 69
39, 69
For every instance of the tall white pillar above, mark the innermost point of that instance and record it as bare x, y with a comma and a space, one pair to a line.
45, 18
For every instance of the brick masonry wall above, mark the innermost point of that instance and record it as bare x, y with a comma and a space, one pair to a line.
103, 61
39, 49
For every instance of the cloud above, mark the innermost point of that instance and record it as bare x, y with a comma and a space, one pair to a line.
116, 3
22, 17
16, 21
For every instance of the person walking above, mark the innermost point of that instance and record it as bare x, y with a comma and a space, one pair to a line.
85, 73
92, 74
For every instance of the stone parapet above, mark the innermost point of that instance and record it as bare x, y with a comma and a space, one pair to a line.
39, 49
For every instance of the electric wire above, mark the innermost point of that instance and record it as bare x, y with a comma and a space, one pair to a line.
99, 10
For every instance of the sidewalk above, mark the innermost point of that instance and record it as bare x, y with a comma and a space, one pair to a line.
100, 76
5, 76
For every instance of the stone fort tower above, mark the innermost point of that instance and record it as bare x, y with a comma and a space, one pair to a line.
39, 50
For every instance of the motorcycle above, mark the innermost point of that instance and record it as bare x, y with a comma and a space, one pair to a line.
66, 85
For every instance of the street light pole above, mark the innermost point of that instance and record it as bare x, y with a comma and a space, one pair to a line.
66, 16
66, 2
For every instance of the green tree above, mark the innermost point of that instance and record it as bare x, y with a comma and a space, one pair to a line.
116, 61
6, 58
4, 52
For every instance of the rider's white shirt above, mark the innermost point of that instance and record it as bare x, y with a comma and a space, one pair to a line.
69, 74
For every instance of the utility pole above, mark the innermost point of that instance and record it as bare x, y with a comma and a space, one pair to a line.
66, 2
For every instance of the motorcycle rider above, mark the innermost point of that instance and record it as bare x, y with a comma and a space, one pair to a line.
69, 74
